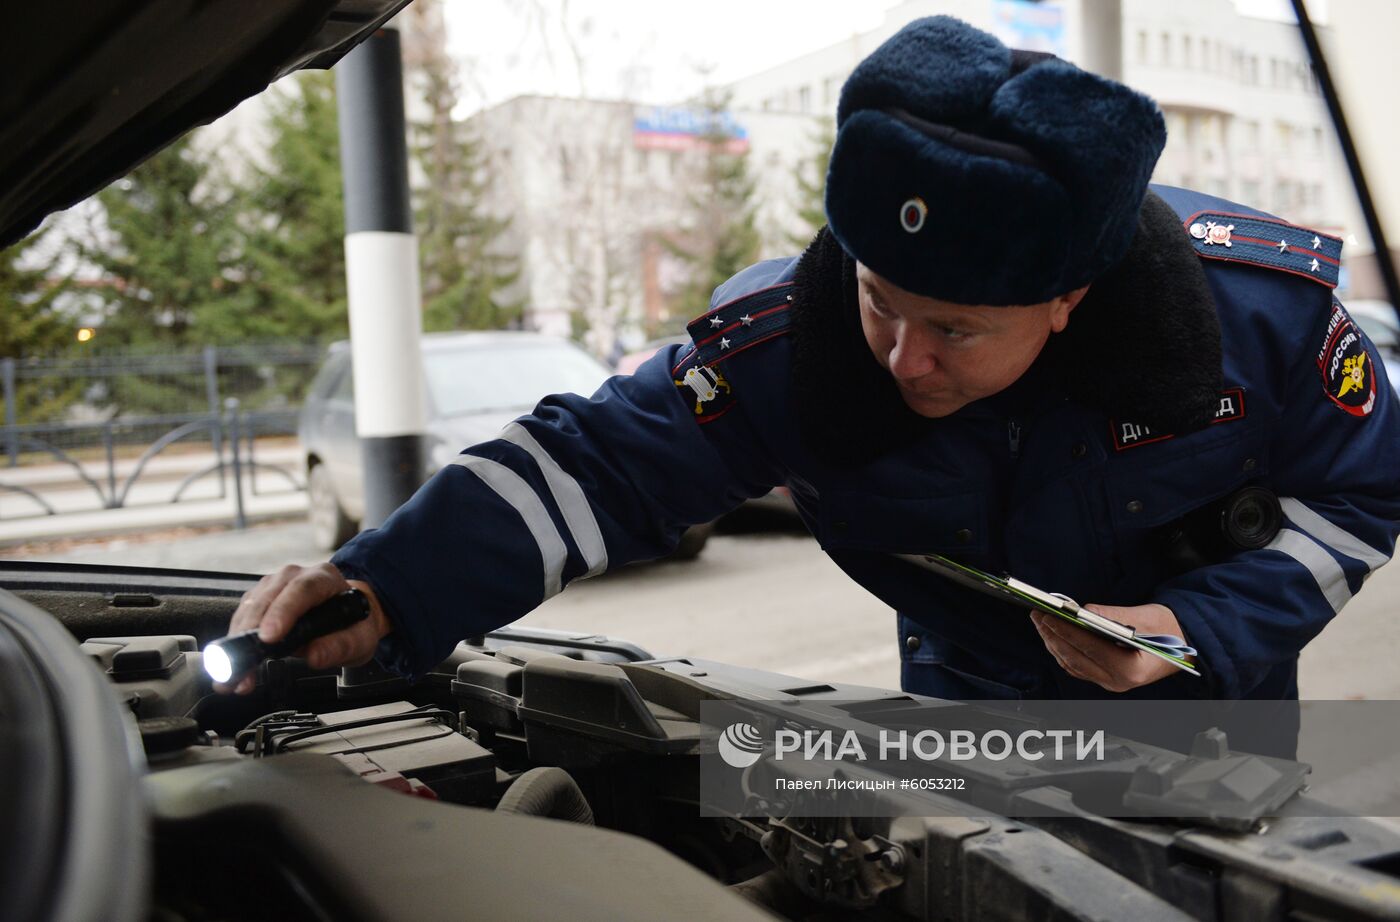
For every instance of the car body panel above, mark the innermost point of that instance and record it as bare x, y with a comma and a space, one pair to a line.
113, 81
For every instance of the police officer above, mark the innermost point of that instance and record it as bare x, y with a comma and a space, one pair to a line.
1005, 349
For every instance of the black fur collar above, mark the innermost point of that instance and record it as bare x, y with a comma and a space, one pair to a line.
1148, 326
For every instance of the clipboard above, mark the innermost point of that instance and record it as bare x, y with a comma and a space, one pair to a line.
1168, 647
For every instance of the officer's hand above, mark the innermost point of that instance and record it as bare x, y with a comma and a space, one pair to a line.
279, 599
1101, 661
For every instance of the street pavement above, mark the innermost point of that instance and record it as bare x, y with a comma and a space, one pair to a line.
767, 600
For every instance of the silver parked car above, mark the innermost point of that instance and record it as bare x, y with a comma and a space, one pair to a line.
476, 384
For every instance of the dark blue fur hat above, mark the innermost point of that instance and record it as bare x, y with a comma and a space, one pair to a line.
972, 173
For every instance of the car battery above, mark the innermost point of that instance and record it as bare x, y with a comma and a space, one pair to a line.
389, 742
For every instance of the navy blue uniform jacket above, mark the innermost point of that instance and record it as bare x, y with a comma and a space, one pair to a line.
1213, 356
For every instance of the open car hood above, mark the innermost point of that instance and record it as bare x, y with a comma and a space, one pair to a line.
90, 89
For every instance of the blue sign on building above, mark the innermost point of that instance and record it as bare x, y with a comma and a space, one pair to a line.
1031, 26
676, 128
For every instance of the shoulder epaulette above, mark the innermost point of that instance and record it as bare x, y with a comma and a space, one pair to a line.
1266, 242
740, 324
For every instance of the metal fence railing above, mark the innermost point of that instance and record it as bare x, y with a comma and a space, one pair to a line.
95, 425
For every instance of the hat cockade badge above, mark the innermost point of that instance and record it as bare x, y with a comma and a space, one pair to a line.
912, 214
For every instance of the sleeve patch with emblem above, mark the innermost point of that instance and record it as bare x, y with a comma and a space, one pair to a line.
703, 388
1347, 369
725, 331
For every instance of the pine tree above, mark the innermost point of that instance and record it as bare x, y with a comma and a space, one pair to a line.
291, 254
30, 323
464, 273
33, 323
811, 184
725, 238
163, 248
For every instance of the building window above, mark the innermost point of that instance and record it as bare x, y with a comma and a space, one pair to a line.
804, 99
1253, 78
1176, 127
1142, 46
829, 90
1250, 192
1317, 140
1205, 54
1186, 51
1166, 49
1212, 129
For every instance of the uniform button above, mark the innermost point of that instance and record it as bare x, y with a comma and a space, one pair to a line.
1250, 464
963, 535
1134, 506
912, 642
1078, 450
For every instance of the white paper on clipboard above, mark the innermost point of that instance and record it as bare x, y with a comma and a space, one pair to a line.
1167, 647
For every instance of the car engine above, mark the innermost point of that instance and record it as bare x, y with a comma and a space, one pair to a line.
538, 773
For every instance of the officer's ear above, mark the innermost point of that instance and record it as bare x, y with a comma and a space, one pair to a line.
1061, 307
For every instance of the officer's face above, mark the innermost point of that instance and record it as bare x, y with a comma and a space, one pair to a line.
943, 355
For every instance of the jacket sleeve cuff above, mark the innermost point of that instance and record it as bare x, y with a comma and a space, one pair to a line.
1219, 677
399, 650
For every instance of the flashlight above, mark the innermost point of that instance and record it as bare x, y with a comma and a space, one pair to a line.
238, 654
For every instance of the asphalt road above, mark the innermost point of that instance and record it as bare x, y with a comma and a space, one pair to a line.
771, 601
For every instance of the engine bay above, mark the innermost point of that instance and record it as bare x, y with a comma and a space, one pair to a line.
534, 773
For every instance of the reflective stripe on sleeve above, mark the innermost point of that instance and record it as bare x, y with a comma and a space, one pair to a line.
569, 496
1324, 568
510, 487
1330, 535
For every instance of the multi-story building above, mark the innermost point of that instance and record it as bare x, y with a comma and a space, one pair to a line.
1245, 119
601, 193
594, 197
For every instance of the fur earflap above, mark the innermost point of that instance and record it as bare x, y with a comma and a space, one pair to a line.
1149, 327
